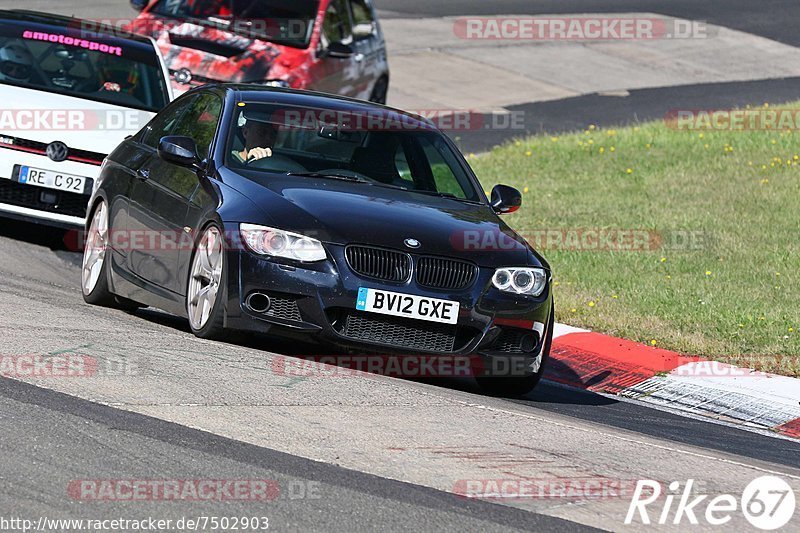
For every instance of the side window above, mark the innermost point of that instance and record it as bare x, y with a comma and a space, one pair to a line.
200, 122
363, 21
443, 176
403, 168
336, 27
164, 123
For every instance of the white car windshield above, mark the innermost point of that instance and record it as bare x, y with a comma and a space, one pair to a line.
83, 64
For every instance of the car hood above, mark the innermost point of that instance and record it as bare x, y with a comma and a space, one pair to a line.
209, 53
351, 213
82, 124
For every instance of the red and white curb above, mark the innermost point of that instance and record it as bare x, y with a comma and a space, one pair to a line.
600, 363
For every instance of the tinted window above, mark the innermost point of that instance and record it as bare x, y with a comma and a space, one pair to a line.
200, 122
384, 152
442, 166
165, 123
336, 27
362, 14
83, 64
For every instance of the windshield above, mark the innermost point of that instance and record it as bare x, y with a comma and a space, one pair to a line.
285, 21
321, 143
87, 66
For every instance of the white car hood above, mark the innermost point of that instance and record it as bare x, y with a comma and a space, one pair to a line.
79, 123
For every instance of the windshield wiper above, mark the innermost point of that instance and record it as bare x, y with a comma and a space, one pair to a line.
437, 193
341, 177
449, 196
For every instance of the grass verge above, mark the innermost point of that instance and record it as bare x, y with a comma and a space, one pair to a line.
718, 277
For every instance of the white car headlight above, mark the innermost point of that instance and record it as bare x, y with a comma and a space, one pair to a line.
521, 280
278, 243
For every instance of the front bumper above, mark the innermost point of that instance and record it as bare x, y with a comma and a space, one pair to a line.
38, 204
318, 301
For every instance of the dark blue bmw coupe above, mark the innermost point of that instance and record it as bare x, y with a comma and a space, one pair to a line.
306, 215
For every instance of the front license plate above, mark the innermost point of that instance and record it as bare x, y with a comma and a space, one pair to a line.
407, 305
52, 180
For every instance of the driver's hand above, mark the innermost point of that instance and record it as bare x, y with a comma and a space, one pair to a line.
259, 153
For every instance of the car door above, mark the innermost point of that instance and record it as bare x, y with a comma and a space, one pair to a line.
366, 46
160, 199
329, 73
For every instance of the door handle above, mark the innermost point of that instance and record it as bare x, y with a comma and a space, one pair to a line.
143, 174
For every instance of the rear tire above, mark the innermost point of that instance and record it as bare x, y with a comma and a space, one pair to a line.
94, 269
206, 288
514, 387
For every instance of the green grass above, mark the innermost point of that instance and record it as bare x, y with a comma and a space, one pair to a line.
736, 297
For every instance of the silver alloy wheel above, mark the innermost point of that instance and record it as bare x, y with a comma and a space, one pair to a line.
94, 254
206, 277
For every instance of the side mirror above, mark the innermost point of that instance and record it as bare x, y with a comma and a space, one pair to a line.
364, 30
505, 199
180, 151
139, 5
340, 51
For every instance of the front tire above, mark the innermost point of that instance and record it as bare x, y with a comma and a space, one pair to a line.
514, 387
205, 294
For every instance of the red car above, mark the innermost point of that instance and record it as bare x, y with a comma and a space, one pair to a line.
333, 46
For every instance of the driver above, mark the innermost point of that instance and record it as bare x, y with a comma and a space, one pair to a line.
116, 76
259, 138
16, 63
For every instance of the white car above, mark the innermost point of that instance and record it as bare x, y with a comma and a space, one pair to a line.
70, 92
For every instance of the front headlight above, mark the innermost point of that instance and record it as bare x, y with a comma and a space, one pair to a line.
521, 280
278, 243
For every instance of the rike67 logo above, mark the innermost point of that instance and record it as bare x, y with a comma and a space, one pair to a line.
768, 503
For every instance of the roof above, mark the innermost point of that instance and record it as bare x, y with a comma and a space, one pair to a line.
317, 100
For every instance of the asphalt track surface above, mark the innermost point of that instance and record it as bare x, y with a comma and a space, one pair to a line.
764, 18
125, 429
51, 438
768, 18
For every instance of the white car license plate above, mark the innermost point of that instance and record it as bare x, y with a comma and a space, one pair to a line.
407, 305
52, 180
